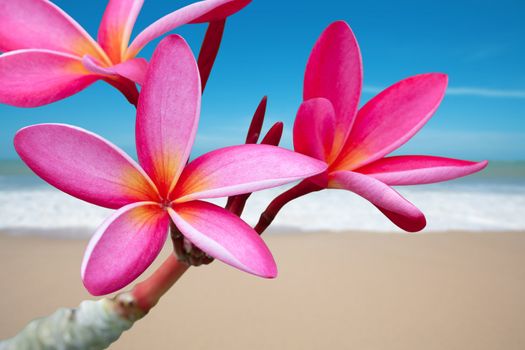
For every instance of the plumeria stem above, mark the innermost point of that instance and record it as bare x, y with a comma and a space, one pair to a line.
147, 293
236, 203
92, 325
299, 190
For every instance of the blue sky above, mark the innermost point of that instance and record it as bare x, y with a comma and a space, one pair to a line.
479, 44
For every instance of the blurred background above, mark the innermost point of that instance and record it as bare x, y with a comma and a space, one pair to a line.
479, 44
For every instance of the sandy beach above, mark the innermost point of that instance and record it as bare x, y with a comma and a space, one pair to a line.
450, 290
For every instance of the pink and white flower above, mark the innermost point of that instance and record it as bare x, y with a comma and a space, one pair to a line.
162, 187
47, 56
354, 142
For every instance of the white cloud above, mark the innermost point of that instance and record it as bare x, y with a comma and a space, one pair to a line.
467, 91
475, 144
372, 89
482, 92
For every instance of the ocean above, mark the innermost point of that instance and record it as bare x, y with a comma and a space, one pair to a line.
489, 201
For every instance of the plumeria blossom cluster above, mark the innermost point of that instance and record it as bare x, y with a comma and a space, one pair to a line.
354, 142
48, 56
162, 187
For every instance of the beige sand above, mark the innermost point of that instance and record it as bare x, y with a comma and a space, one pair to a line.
335, 291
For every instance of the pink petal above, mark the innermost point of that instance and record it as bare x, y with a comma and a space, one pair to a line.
31, 78
134, 69
124, 246
39, 24
334, 71
220, 10
400, 211
414, 170
224, 236
202, 11
116, 26
168, 112
391, 118
242, 169
314, 129
83, 165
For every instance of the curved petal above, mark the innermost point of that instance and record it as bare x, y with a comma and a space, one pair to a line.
83, 165
168, 112
134, 69
414, 170
242, 169
274, 135
254, 130
224, 236
31, 78
116, 27
39, 24
391, 118
220, 10
124, 246
202, 11
334, 71
400, 211
209, 49
314, 129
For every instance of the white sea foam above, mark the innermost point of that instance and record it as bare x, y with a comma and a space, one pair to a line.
41, 209
458, 207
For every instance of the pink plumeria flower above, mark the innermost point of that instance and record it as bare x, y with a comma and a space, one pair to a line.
88, 167
48, 56
354, 143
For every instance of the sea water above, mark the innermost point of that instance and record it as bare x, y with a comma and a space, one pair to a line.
491, 200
